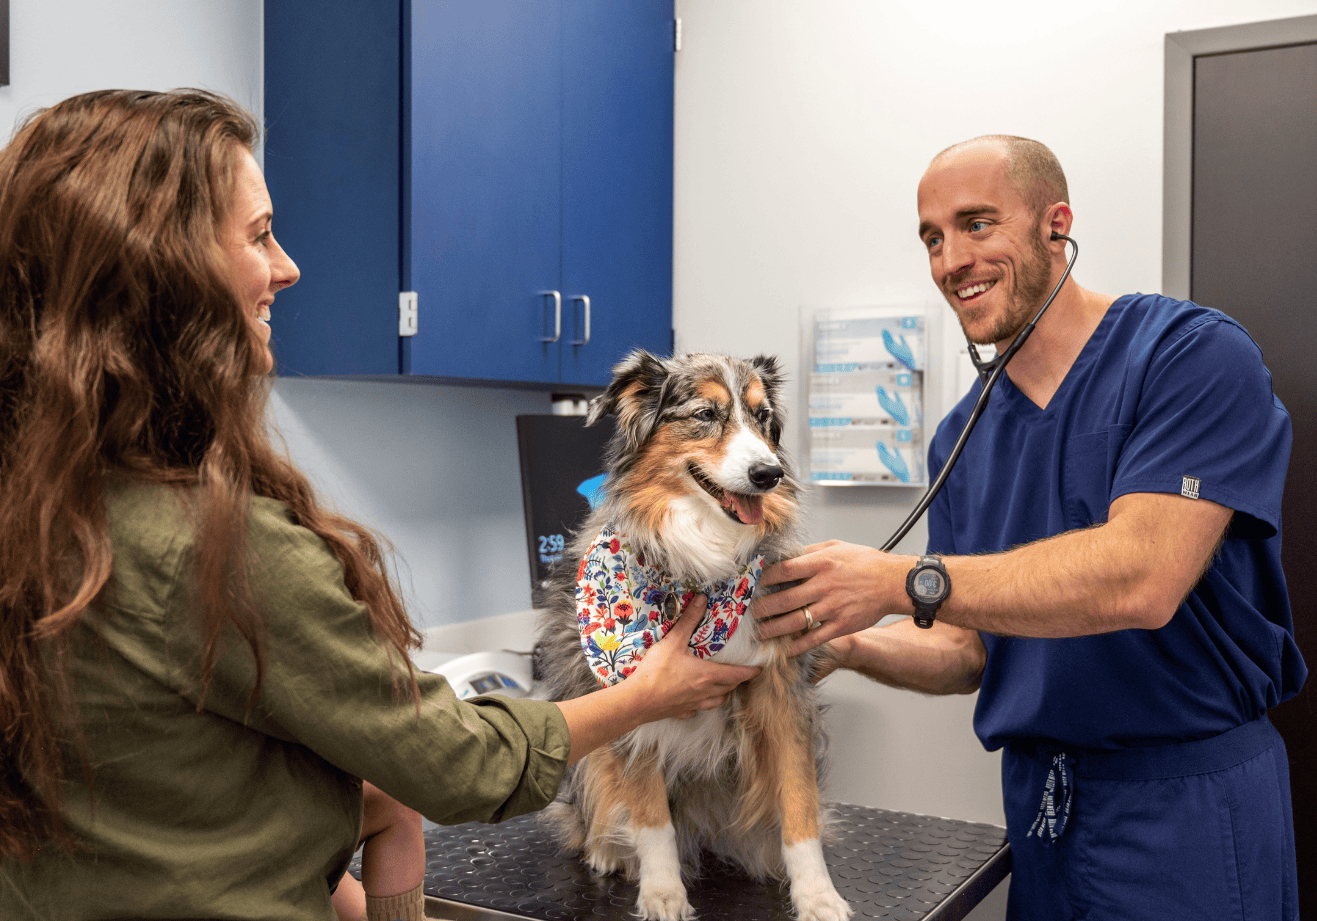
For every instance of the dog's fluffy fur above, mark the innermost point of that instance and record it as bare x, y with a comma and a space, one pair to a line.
740, 781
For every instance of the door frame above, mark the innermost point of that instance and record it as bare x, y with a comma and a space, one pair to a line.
1177, 156
1182, 49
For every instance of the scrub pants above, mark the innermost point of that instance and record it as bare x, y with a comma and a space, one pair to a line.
1194, 830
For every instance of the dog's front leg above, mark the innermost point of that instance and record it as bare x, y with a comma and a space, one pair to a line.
662, 893
779, 761
812, 892
630, 801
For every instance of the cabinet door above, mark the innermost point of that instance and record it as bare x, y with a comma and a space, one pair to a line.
617, 181
332, 162
484, 187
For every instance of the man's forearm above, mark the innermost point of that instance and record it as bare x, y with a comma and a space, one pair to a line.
1131, 572
943, 660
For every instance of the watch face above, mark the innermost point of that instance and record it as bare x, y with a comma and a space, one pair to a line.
929, 584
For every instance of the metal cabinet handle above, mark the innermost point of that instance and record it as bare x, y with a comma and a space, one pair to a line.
557, 316
585, 300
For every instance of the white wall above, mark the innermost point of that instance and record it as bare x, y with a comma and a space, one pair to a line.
61, 47
433, 468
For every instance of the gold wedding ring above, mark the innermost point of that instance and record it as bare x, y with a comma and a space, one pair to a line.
809, 618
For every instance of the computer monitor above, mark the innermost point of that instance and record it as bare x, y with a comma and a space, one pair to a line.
562, 465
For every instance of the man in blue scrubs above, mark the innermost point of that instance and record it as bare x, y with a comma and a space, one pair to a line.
1110, 576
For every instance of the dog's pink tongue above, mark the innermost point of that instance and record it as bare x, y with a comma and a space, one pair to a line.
750, 509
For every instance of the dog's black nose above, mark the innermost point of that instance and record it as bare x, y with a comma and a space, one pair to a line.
765, 476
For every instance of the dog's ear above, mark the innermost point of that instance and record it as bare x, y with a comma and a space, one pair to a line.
637, 381
771, 376
769, 372
636, 397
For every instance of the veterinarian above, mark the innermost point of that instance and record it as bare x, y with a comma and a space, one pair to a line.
1104, 568
199, 663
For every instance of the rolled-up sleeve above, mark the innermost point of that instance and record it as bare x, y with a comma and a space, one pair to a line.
331, 686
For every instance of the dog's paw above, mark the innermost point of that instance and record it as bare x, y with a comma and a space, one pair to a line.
604, 861
812, 892
823, 904
663, 902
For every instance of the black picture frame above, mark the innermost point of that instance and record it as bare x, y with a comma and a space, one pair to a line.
4, 42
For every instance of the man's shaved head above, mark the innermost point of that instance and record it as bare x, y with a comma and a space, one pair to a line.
1031, 168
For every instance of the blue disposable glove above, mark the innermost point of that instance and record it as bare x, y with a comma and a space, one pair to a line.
894, 406
893, 462
900, 350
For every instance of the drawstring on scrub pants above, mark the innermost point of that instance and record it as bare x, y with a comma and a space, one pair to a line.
1054, 810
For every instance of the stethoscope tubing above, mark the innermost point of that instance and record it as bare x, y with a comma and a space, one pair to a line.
989, 373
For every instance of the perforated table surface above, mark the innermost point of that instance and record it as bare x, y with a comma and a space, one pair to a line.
892, 865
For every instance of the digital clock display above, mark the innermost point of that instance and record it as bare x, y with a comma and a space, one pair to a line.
928, 583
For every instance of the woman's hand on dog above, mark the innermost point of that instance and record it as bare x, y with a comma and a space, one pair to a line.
689, 683
670, 681
846, 587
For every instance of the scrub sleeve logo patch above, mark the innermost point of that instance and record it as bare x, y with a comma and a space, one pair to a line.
1189, 486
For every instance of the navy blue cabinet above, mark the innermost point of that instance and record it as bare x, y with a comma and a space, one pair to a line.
508, 160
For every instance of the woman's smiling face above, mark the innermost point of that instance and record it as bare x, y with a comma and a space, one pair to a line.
259, 265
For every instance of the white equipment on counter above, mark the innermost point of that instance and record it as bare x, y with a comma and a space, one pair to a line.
476, 673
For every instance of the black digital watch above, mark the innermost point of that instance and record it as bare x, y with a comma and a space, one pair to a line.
928, 585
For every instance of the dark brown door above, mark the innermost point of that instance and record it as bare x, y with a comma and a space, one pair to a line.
1254, 256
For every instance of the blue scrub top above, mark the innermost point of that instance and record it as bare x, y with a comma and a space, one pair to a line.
1166, 397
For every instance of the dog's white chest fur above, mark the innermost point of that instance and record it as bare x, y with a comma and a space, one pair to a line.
699, 744
703, 543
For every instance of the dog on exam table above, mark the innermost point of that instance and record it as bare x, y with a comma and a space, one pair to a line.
698, 498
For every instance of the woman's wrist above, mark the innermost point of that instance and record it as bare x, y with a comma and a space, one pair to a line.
631, 702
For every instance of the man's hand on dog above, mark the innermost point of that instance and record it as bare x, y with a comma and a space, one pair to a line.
840, 591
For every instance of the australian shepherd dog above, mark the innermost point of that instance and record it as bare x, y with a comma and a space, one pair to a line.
697, 498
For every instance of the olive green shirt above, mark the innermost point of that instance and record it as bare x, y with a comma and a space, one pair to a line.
225, 813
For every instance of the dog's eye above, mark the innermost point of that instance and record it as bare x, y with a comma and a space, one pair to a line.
704, 415
764, 414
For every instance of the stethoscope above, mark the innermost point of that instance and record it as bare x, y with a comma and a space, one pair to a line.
989, 373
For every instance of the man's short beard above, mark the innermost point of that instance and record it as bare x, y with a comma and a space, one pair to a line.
1032, 284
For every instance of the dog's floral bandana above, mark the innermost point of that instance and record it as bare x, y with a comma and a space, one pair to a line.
626, 606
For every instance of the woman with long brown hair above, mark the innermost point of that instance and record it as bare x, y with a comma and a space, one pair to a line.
198, 663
